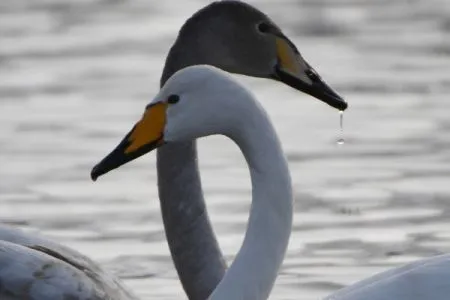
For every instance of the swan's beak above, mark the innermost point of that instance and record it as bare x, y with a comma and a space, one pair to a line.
294, 71
145, 136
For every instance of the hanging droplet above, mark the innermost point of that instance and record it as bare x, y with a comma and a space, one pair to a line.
341, 140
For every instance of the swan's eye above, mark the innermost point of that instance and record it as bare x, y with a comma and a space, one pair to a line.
263, 27
173, 99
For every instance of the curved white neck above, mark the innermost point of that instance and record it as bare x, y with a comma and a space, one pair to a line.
255, 268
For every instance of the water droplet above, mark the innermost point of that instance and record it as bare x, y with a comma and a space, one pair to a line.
341, 140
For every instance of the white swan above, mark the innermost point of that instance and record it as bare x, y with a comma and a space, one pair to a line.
200, 101
238, 38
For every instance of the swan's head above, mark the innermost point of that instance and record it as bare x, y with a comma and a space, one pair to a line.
238, 38
195, 102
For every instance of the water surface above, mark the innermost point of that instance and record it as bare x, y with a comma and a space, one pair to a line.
75, 75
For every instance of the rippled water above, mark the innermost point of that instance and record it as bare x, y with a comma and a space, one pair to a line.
75, 75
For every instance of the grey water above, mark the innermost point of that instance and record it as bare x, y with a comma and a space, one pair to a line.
76, 74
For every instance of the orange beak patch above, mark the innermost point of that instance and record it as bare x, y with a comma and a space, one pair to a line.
149, 129
287, 58
145, 136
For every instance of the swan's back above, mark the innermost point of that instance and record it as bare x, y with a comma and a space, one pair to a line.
32, 267
20, 237
421, 280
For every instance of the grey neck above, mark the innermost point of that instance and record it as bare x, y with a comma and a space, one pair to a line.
188, 51
192, 243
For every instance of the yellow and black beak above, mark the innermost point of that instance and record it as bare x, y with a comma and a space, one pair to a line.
294, 71
146, 135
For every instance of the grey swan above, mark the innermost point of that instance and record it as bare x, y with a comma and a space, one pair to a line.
235, 37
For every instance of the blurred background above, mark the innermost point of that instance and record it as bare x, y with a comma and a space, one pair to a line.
76, 74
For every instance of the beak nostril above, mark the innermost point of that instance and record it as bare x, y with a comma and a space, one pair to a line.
312, 74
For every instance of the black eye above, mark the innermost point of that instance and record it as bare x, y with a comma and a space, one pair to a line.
263, 27
173, 99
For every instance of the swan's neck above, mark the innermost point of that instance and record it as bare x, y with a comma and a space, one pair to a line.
255, 268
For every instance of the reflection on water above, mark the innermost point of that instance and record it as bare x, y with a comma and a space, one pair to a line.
75, 74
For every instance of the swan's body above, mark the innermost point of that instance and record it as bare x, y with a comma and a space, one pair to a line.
210, 102
225, 34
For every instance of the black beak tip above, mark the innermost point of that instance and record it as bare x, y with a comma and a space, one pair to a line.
343, 105
332, 98
94, 174
335, 101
